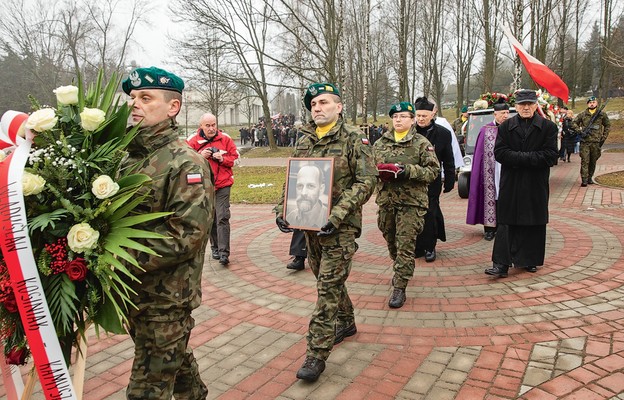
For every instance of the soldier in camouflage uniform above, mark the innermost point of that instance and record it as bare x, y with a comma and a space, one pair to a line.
457, 128
170, 285
407, 163
330, 250
593, 141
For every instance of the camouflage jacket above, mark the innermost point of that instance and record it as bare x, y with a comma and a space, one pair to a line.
599, 130
421, 168
180, 184
354, 172
457, 126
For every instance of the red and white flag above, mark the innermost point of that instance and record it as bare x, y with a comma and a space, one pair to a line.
541, 74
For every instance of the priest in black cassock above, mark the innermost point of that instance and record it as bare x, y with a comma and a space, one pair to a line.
526, 148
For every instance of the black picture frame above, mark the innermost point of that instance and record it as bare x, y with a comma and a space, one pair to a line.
307, 199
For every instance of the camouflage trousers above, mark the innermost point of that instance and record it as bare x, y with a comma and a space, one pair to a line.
330, 260
400, 225
590, 153
164, 365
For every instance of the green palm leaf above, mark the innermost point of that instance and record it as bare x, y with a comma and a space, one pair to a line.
60, 294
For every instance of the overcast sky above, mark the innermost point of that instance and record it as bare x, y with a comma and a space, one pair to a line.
152, 47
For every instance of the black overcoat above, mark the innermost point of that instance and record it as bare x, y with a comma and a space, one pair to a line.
525, 169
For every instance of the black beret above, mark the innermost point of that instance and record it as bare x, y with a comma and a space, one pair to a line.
152, 78
317, 89
500, 105
422, 103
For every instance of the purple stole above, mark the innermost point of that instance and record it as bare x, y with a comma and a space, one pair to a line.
482, 197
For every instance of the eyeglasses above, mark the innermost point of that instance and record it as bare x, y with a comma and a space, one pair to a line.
396, 116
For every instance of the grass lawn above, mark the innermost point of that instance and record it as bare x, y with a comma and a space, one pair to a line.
257, 185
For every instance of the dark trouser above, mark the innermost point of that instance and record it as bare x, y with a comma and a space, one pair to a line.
164, 365
330, 260
519, 245
298, 244
590, 153
220, 233
433, 228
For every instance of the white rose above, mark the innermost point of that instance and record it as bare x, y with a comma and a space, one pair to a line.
82, 237
92, 118
32, 184
66, 94
104, 187
3, 155
42, 120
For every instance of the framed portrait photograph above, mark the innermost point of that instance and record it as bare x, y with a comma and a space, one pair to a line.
307, 199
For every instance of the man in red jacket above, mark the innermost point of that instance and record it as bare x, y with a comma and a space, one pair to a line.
220, 151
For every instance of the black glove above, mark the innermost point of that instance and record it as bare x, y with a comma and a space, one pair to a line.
401, 175
327, 229
283, 225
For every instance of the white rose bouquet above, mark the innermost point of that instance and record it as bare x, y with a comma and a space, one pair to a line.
82, 215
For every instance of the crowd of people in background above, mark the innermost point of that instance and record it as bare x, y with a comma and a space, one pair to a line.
285, 132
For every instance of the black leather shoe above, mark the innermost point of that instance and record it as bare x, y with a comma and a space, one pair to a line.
297, 263
344, 331
531, 268
583, 183
215, 255
224, 260
497, 270
489, 236
311, 369
397, 299
430, 256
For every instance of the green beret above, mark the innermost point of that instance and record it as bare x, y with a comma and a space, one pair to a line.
591, 98
152, 78
316, 89
402, 106
464, 109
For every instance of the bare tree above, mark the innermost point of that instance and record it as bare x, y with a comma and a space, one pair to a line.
465, 48
310, 32
241, 27
56, 41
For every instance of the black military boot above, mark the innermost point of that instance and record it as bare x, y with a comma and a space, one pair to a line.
344, 331
583, 182
215, 255
498, 270
311, 369
397, 299
430, 256
297, 263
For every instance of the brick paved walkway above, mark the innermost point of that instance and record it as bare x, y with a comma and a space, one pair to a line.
555, 334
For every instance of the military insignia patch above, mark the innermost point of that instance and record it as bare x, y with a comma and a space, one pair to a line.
149, 78
135, 79
192, 179
164, 80
313, 91
364, 141
409, 108
430, 148
329, 88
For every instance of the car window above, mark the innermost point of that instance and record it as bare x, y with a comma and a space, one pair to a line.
475, 123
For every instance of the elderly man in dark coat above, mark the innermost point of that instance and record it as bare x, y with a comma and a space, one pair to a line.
526, 148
